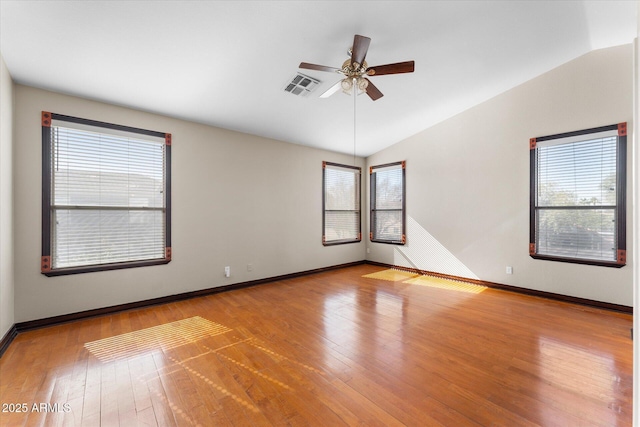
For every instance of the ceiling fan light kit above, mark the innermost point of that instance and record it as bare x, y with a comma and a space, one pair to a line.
356, 70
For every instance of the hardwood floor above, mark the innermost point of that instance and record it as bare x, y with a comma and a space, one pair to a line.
329, 349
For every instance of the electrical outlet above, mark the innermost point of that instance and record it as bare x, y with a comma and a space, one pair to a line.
249, 267
509, 270
227, 271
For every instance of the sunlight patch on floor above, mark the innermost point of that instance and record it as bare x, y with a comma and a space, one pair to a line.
391, 275
451, 285
167, 336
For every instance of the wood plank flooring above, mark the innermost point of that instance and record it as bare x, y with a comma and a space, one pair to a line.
330, 349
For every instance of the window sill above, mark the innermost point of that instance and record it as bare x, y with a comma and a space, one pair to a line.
104, 267
579, 261
389, 242
340, 242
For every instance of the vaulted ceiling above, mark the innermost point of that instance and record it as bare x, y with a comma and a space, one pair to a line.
226, 63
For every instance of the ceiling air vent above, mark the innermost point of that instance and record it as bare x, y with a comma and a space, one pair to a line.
301, 85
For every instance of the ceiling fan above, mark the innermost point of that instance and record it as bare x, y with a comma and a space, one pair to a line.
356, 70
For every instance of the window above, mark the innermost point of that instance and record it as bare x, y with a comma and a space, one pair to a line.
106, 196
388, 203
341, 204
578, 207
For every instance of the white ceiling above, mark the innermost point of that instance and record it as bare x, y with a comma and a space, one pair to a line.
226, 63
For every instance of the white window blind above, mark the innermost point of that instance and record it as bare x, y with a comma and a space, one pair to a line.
387, 203
576, 197
341, 197
108, 199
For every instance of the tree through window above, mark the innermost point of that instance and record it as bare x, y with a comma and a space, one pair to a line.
578, 206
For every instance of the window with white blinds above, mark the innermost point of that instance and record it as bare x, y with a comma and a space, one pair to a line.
107, 189
578, 196
341, 220
387, 201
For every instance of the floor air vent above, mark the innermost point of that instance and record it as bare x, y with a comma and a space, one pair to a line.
301, 85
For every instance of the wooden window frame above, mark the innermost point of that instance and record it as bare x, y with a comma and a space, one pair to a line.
326, 242
621, 190
47, 208
373, 209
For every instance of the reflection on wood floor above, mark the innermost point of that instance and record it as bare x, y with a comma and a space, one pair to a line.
330, 349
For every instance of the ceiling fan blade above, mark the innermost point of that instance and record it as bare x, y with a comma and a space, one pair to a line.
397, 68
333, 89
318, 67
359, 49
373, 92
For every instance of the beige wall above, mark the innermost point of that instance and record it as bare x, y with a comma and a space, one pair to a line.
6, 200
468, 181
236, 200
